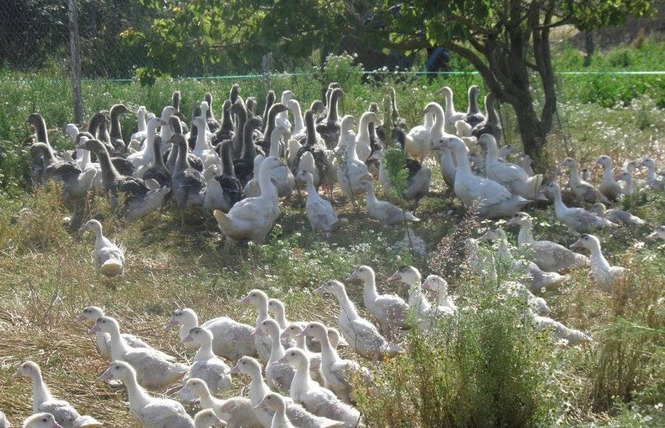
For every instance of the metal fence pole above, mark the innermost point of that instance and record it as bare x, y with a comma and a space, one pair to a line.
75, 59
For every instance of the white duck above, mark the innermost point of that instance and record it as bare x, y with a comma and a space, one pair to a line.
207, 418
281, 177
206, 365
144, 157
315, 398
451, 115
390, 310
263, 344
419, 138
292, 333
238, 412
511, 176
583, 190
445, 304
258, 389
362, 336
352, 171
558, 330
153, 370
608, 185
202, 148
605, 275
252, 218
320, 212
487, 197
654, 179
109, 258
276, 403
4, 423
338, 373
548, 255
103, 340
576, 218
418, 302
363, 145
38, 420
231, 339
387, 213
252, 188
658, 233
298, 130
151, 412
279, 375
141, 120
42, 400
616, 215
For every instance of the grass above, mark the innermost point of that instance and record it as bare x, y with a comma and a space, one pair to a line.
485, 368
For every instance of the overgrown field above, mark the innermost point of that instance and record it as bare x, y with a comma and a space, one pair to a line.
483, 367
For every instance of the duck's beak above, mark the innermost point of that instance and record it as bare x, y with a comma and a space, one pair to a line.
352, 277
395, 277
577, 244
95, 329
187, 339
106, 375
235, 369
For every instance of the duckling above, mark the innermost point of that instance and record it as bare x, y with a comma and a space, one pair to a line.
320, 212
151, 412
42, 400
583, 191
279, 375
238, 412
616, 215
390, 310
608, 185
578, 219
38, 420
275, 403
658, 233
605, 275
109, 258
188, 185
102, 340
153, 370
473, 115
387, 213
252, 218
206, 419
362, 335
206, 365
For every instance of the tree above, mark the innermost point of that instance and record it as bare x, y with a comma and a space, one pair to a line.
507, 42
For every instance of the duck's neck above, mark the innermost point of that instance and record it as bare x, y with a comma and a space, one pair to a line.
311, 129
239, 132
574, 175
201, 140
311, 190
157, 155
207, 401
559, 207
181, 162
463, 164
40, 129
363, 128
450, 107
492, 153
190, 323
332, 108
268, 190
369, 291
473, 101
274, 143
137, 396
607, 173
329, 354
492, 116
248, 147
40, 392
165, 130
262, 306
347, 309
439, 117
280, 317
597, 259
651, 173
205, 351
279, 419
525, 235
371, 197
442, 295
351, 154
277, 350
116, 130
298, 123
301, 382
149, 149
118, 345
257, 388
140, 120
109, 173
417, 300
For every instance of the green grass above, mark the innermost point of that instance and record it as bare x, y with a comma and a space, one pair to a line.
484, 368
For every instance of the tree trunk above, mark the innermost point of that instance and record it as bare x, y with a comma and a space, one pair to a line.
531, 130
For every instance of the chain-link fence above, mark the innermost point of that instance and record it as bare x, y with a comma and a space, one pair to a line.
35, 35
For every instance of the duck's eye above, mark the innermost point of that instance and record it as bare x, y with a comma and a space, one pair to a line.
44, 420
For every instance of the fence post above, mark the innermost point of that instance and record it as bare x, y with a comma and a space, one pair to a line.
75, 61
